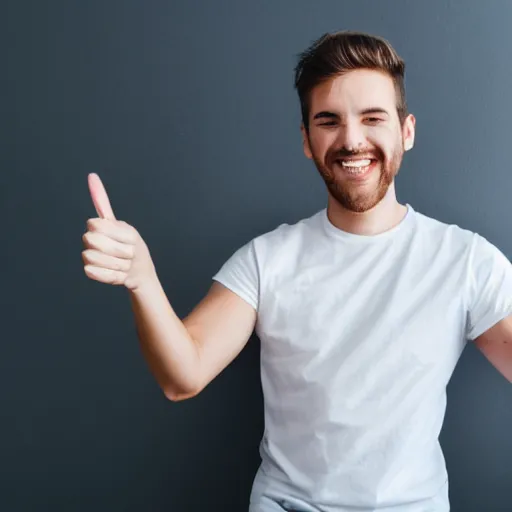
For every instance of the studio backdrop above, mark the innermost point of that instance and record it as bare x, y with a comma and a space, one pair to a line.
187, 112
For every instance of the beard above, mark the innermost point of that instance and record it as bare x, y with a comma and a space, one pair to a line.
356, 197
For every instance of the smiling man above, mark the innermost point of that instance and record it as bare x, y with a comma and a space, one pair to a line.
356, 138
364, 308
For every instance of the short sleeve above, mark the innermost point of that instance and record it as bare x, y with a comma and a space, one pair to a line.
240, 274
489, 287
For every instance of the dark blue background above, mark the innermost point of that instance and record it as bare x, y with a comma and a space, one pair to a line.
187, 112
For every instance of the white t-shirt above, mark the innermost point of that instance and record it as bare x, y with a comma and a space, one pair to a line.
359, 338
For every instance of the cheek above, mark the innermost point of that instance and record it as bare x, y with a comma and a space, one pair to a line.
320, 140
383, 141
321, 148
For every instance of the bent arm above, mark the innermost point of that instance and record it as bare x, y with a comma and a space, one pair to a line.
184, 356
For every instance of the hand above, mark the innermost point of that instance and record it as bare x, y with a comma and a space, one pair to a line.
115, 252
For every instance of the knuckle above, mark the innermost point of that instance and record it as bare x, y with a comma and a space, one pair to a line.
117, 278
88, 273
131, 230
89, 239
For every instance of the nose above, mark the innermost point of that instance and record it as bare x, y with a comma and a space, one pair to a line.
351, 137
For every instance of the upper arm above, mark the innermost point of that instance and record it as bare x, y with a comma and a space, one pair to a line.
496, 345
489, 299
488, 287
221, 325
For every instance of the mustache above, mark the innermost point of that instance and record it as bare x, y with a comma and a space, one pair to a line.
344, 153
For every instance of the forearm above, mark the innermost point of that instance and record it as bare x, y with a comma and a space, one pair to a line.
171, 353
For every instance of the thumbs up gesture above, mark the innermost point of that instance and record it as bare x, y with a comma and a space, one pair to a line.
114, 252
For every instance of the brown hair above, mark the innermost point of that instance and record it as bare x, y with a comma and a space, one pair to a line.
333, 54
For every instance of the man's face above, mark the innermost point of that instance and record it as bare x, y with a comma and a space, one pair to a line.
353, 118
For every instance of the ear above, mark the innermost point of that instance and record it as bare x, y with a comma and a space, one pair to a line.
408, 132
305, 142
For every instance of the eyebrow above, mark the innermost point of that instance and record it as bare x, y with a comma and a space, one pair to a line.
371, 110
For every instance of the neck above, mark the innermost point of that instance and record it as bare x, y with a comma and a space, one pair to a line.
383, 216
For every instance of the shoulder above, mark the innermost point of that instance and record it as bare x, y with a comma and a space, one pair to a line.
286, 231
288, 236
447, 234
460, 244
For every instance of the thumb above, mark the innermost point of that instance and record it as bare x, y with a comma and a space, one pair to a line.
99, 197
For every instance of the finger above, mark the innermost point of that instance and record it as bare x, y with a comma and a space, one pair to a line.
105, 275
115, 230
99, 197
108, 246
100, 259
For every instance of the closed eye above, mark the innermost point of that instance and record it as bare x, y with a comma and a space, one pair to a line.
373, 120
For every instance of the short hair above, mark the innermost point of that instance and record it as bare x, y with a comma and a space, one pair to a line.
333, 54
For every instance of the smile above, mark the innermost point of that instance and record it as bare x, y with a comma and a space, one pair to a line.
357, 168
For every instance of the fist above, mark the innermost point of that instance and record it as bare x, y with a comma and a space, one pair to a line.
115, 253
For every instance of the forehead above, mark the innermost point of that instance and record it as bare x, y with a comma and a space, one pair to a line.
353, 92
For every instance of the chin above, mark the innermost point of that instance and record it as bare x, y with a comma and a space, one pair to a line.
359, 203
358, 206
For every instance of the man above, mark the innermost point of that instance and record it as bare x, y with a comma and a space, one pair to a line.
362, 309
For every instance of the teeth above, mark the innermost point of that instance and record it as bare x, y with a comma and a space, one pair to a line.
355, 163
358, 170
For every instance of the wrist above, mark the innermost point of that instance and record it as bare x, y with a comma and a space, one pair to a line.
146, 286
